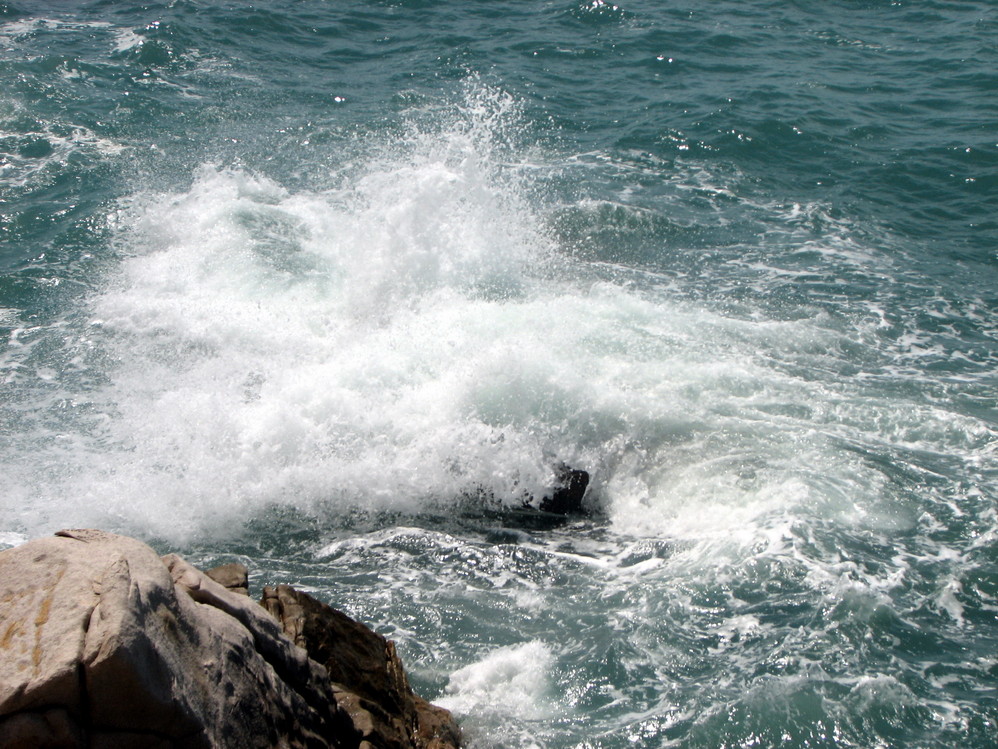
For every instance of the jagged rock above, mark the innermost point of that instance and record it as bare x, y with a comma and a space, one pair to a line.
366, 672
104, 644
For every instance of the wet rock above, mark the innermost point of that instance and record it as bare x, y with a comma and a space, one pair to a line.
560, 504
568, 493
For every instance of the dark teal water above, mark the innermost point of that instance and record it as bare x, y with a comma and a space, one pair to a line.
321, 286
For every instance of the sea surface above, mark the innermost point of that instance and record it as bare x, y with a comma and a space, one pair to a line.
333, 289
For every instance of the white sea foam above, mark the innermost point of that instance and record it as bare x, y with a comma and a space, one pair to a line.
411, 336
8, 539
126, 39
28, 26
511, 682
309, 348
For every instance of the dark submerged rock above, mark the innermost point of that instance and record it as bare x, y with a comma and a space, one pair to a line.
568, 493
563, 502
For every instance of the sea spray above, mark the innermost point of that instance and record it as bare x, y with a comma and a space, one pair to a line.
401, 341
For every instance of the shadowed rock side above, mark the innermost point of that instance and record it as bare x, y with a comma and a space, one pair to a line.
104, 644
566, 497
367, 675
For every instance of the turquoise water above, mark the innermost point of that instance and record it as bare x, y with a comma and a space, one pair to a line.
321, 287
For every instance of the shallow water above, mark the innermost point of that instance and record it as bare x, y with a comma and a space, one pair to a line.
324, 289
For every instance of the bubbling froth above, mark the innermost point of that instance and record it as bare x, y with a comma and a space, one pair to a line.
413, 337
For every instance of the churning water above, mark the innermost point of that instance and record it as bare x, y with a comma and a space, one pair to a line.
324, 288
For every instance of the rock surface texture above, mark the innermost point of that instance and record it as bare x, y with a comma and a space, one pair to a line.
366, 673
105, 644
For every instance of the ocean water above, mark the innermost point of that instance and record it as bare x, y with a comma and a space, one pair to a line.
327, 287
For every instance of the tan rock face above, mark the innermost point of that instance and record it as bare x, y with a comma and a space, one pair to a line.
57, 594
98, 628
104, 644
233, 576
61, 597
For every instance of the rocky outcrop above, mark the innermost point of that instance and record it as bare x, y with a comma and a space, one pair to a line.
366, 673
105, 644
